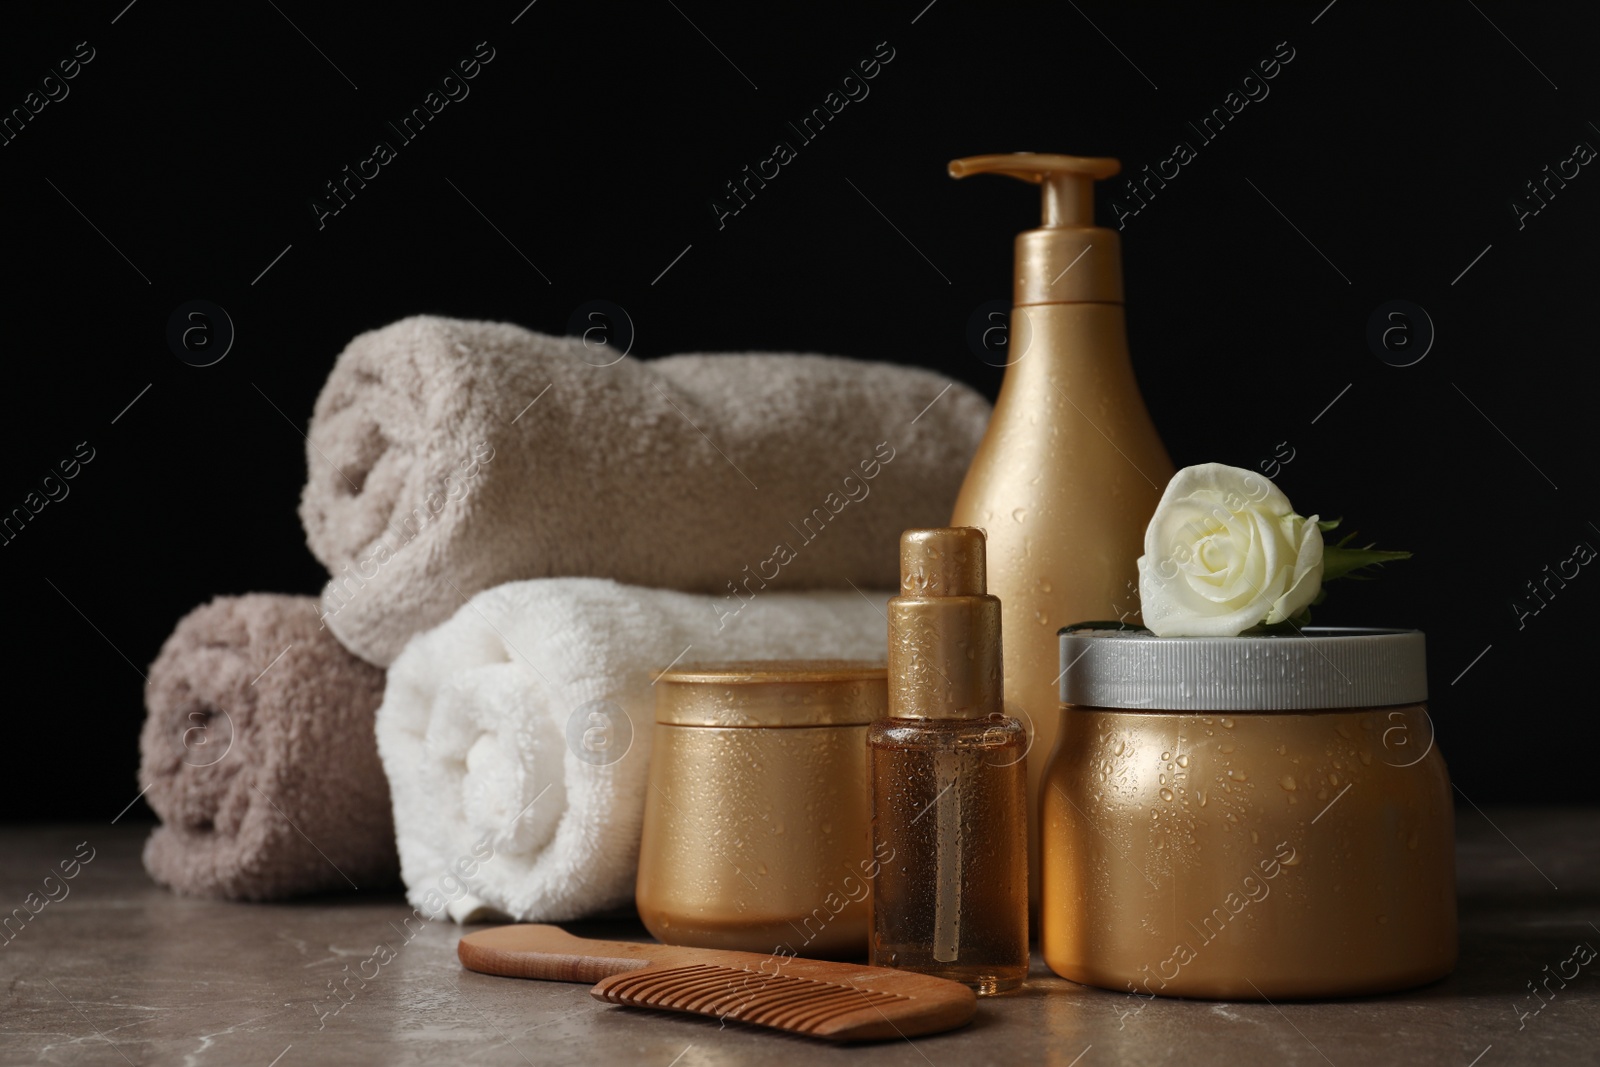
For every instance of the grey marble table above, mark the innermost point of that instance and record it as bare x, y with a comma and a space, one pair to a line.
121, 972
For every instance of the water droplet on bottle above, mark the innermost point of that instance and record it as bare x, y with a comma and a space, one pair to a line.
1166, 794
1183, 760
1020, 515
1287, 781
1237, 775
1118, 748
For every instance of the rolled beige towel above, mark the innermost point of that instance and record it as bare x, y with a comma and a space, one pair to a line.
259, 752
446, 457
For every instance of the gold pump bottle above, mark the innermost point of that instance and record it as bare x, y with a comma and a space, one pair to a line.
949, 778
1071, 467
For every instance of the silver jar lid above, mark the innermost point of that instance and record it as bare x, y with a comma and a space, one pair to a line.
1318, 667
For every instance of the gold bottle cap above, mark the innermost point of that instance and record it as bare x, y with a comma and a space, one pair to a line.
948, 561
1068, 260
772, 693
944, 629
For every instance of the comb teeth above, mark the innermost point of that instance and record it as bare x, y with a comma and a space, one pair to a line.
781, 1001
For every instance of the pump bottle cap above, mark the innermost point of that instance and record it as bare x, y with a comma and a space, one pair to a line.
1068, 259
944, 629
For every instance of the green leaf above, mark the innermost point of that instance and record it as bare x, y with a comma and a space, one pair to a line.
1106, 624
1341, 562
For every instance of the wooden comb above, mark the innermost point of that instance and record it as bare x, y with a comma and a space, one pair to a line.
836, 1001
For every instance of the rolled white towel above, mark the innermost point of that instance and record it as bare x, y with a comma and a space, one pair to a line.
447, 457
504, 732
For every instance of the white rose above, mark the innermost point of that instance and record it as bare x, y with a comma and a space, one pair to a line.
1223, 552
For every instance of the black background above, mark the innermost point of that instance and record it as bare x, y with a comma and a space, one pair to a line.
595, 141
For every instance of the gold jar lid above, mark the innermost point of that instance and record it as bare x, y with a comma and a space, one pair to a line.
773, 693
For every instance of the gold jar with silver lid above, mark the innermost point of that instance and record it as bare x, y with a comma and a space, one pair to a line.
1247, 817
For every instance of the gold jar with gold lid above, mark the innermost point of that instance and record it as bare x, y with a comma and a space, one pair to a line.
1251, 817
757, 815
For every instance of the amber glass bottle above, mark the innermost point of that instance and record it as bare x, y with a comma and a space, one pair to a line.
949, 778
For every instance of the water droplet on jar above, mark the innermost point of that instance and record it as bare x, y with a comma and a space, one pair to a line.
1166, 794
1227, 723
1044, 585
1255, 837
1201, 794
1166, 756
1119, 748
1237, 775
1225, 748
1020, 515
1287, 781
1183, 760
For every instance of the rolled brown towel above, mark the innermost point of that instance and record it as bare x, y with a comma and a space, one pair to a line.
260, 756
446, 457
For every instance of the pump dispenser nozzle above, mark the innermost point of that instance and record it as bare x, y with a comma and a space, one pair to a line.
944, 629
1068, 259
